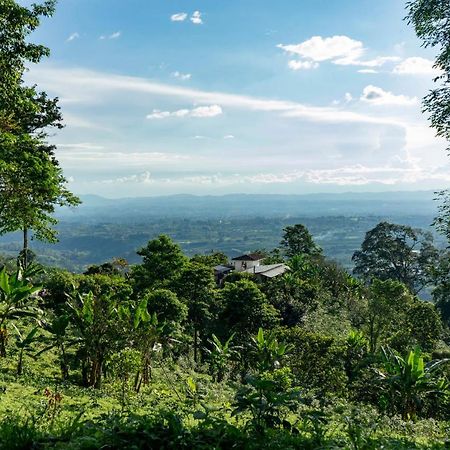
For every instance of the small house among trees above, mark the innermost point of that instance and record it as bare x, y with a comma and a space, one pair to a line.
250, 263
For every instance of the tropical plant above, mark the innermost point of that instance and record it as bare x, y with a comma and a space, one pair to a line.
58, 339
409, 381
95, 322
220, 354
124, 363
267, 352
24, 343
146, 333
267, 393
15, 294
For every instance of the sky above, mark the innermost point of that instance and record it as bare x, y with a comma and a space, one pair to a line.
239, 96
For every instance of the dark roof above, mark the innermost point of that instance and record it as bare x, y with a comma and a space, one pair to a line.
249, 257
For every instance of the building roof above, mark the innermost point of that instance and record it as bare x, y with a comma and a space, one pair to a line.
222, 269
249, 257
269, 270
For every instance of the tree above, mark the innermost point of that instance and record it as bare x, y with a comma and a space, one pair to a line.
430, 21
31, 186
31, 181
396, 252
297, 240
292, 296
441, 292
212, 259
245, 309
162, 262
196, 286
167, 307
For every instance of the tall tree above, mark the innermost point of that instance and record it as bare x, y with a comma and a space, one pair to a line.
297, 240
196, 286
396, 252
430, 19
31, 181
161, 265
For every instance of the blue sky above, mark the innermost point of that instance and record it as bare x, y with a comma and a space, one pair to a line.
220, 96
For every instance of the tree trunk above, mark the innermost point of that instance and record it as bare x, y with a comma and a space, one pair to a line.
95, 376
3, 341
20, 363
63, 364
195, 345
25, 248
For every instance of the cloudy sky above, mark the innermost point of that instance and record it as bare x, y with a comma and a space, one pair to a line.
219, 96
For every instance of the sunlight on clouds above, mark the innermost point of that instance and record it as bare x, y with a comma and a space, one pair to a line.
340, 50
377, 96
322, 49
196, 18
302, 65
115, 35
72, 37
416, 66
179, 17
199, 112
181, 76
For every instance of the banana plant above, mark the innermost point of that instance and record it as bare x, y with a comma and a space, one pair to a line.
410, 380
220, 355
57, 339
15, 295
268, 351
147, 332
95, 320
24, 343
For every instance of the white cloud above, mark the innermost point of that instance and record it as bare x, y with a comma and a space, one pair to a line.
360, 175
302, 65
196, 18
72, 37
81, 146
367, 71
179, 17
94, 87
228, 136
348, 97
376, 62
416, 66
108, 159
377, 96
115, 35
322, 49
181, 76
199, 112
340, 50
141, 178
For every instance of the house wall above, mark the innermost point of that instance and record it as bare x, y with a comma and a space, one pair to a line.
240, 266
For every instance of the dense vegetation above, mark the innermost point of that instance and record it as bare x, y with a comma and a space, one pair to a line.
156, 355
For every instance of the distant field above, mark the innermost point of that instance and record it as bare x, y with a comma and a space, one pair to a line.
82, 244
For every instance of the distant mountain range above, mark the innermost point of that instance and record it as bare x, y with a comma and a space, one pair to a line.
390, 204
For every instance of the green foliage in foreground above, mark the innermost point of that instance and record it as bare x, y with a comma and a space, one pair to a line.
149, 358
